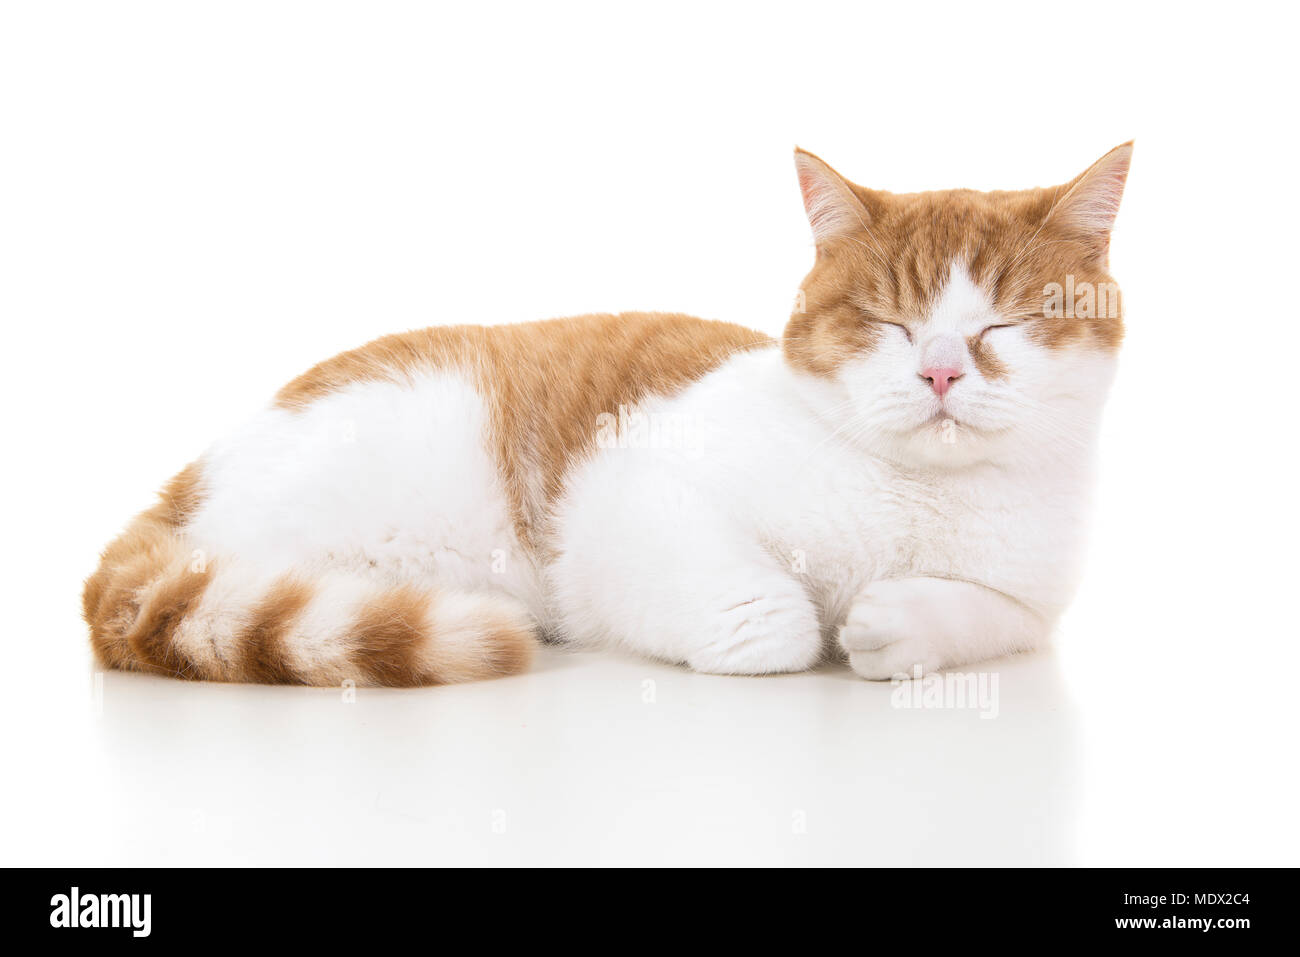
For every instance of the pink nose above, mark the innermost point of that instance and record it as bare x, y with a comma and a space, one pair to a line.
941, 380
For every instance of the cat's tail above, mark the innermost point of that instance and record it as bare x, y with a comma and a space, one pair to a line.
157, 605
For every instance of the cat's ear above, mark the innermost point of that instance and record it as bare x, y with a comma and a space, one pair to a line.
834, 209
1086, 210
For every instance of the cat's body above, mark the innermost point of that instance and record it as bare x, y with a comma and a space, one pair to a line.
421, 509
769, 528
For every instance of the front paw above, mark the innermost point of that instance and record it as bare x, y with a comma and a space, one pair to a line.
760, 632
887, 635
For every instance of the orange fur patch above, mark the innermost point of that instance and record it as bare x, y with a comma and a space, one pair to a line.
985, 359
264, 657
388, 637
163, 608
143, 554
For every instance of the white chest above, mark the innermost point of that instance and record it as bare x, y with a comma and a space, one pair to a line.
840, 518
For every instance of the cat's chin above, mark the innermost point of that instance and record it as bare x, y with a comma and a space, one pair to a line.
942, 442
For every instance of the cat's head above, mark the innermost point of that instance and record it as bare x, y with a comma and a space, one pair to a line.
955, 327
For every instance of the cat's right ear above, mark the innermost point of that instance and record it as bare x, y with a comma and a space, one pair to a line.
834, 210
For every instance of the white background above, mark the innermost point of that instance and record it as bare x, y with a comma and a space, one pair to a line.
199, 201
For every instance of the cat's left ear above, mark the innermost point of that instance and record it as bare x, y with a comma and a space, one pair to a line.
1087, 208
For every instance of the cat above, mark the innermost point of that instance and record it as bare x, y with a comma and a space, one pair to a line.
901, 480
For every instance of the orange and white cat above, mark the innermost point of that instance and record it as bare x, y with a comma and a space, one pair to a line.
900, 479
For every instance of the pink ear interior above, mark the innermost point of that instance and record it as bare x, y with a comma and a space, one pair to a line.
832, 208
1093, 200
808, 187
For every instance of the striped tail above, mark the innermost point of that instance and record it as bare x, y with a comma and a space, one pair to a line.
154, 605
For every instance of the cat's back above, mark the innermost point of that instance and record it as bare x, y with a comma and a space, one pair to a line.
544, 385
604, 357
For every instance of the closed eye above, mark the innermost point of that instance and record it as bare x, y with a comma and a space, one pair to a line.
897, 325
1001, 325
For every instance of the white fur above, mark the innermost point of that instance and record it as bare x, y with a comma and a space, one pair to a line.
377, 485
793, 513
392, 482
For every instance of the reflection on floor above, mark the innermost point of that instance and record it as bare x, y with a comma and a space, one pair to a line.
590, 758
